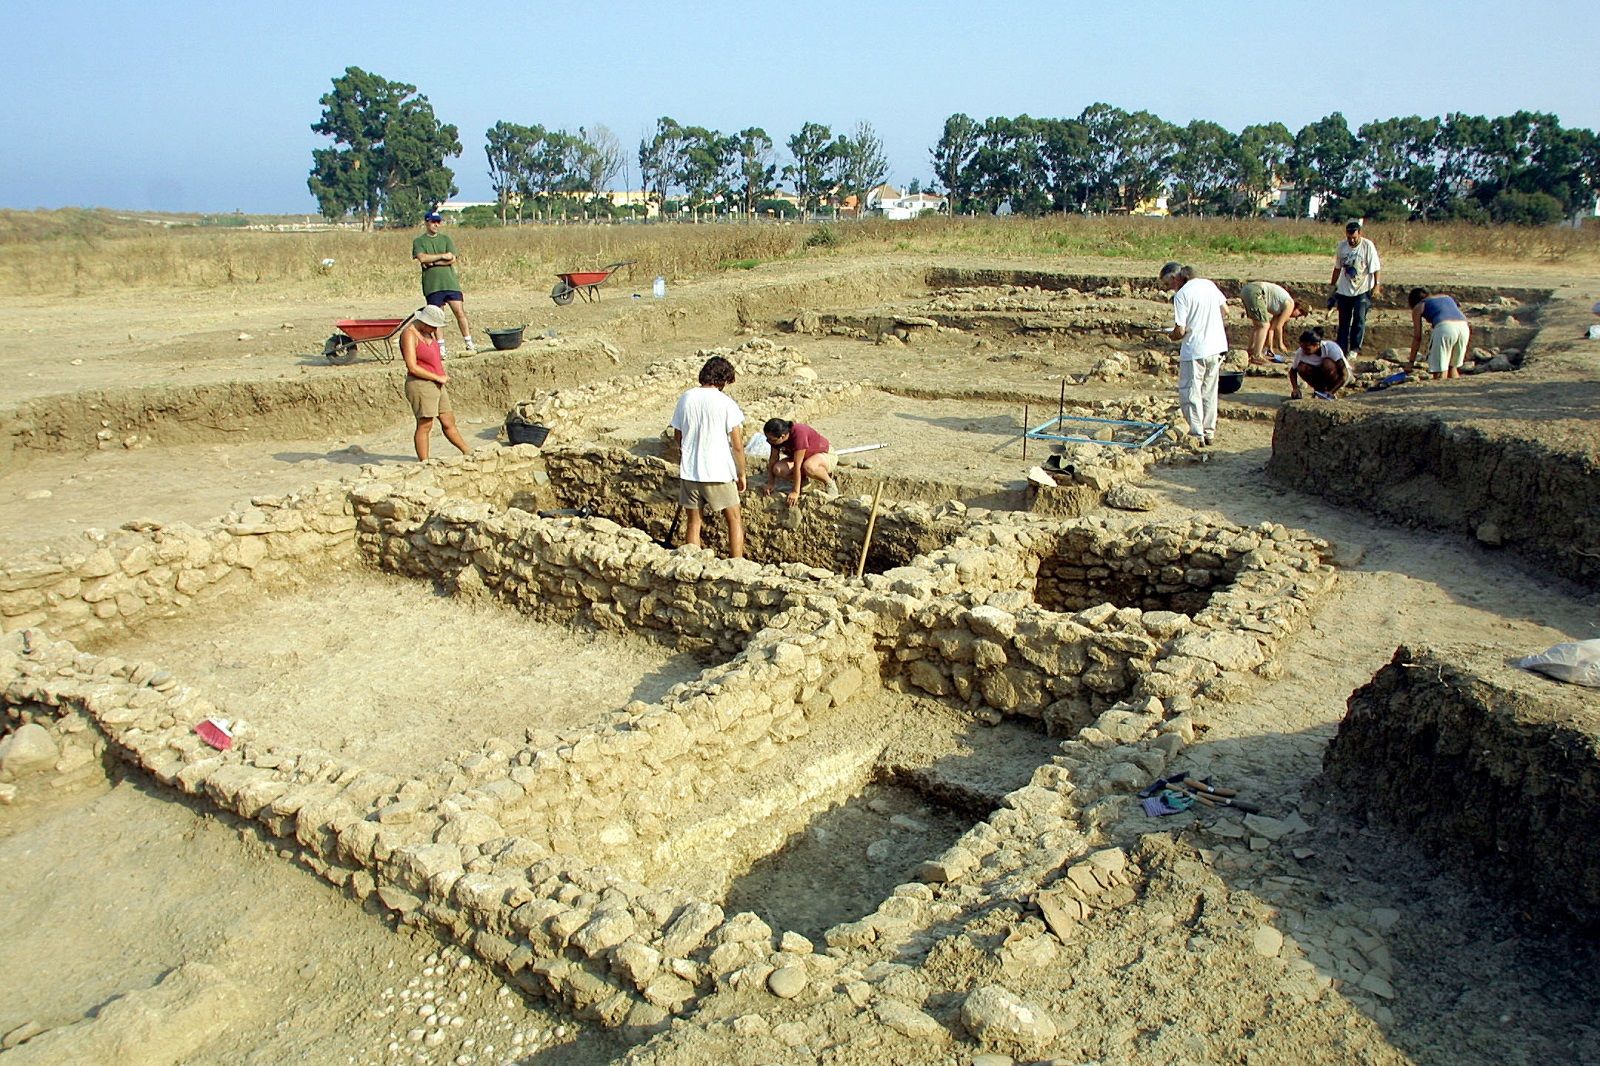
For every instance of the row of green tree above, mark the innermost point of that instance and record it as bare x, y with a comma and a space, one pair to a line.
1516, 168
389, 153
390, 150
710, 170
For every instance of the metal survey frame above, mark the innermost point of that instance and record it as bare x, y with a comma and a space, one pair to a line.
1155, 431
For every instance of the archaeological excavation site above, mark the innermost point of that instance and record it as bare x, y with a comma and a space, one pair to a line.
1050, 738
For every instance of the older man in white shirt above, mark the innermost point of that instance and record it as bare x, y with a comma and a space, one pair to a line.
1203, 340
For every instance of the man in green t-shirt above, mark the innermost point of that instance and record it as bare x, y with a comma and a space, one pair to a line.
440, 285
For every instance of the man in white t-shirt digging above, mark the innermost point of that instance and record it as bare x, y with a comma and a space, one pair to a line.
1197, 325
707, 423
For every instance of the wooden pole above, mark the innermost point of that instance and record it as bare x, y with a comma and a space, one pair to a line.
872, 520
1061, 405
1024, 431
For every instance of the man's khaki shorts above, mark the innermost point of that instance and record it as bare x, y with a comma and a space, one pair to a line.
708, 495
428, 399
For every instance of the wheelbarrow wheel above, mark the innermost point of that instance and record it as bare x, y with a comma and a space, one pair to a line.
563, 293
339, 350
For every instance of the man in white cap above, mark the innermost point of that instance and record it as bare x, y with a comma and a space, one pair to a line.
441, 286
425, 379
1203, 340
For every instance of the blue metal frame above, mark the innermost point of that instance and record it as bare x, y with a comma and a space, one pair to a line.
1155, 430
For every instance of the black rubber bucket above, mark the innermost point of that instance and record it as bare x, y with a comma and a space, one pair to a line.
1230, 381
527, 433
504, 340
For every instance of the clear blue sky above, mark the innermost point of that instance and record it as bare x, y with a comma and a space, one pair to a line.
184, 106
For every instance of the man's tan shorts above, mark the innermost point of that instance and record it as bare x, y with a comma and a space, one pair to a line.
708, 495
428, 399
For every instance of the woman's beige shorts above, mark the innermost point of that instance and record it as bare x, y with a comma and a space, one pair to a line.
1447, 348
428, 399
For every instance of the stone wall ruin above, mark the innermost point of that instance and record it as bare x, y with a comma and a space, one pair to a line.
560, 857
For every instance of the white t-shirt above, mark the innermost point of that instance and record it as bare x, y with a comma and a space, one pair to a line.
1357, 264
1327, 352
1197, 307
705, 416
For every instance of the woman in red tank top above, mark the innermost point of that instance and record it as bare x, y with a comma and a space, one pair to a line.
425, 380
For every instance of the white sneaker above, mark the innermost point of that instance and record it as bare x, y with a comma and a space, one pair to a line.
831, 489
469, 345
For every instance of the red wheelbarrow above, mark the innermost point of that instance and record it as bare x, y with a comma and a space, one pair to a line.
586, 282
357, 333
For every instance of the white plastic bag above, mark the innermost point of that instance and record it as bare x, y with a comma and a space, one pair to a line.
758, 446
1577, 662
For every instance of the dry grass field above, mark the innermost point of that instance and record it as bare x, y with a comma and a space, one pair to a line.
86, 252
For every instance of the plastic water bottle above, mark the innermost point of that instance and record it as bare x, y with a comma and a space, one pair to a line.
660, 287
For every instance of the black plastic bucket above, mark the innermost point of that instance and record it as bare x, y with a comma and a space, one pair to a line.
1230, 381
504, 340
526, 433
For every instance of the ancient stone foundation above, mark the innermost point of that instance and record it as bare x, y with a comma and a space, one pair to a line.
1494, 769
589, 865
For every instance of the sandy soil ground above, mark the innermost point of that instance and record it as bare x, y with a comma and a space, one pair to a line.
108, 891
111, 888
420, 677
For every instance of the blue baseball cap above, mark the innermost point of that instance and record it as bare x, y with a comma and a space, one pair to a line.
433, 216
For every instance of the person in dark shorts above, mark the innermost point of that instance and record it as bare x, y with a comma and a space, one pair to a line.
798, 452
441, 286
425, 380
708, 426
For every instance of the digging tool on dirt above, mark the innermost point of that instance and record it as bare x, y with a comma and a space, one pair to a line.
1207, 787
872, 521
1222, 801
860, 448
672, 534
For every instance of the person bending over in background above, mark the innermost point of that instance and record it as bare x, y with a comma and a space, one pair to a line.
425, 380
441, 286
1355, 285
1448, 336
1268, 307
711, 472
1319, 363
798, 450
1203, 340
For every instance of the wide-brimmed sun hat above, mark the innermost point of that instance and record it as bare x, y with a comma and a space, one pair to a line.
431, 316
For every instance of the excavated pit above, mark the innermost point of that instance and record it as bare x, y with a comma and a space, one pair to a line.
1085, 570
848, 859
388, 671
1078, 319
826, 534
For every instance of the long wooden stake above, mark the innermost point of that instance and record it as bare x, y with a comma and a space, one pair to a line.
872, 520
1061, 406
1024, 431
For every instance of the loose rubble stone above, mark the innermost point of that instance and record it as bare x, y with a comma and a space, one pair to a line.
787, 982
29, 750
994, 1016
1267, 941
911, 1022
